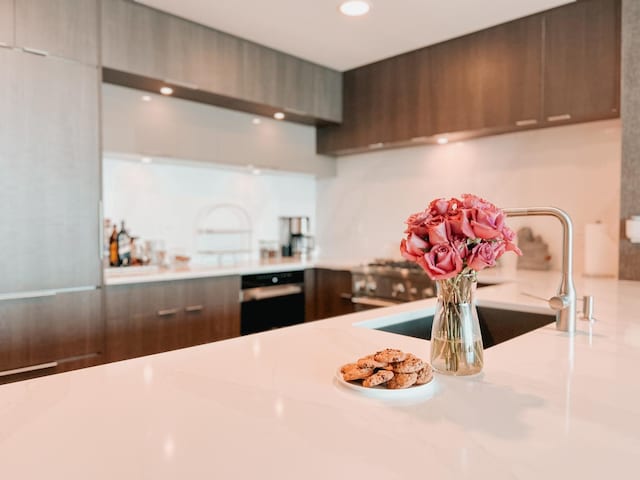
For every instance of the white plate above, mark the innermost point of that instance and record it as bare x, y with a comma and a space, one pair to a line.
418, 391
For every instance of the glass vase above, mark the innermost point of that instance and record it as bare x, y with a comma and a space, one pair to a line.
456, 341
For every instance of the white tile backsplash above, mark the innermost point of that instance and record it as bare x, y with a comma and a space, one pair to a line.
576, 168
162, 200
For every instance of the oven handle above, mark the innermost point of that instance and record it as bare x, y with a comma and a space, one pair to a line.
262, 293
373, 302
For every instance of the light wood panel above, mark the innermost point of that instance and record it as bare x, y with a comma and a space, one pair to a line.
66, 28
154, 45
50, 181
7, 22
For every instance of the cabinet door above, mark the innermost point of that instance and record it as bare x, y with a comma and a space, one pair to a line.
150, 318
50, 181
211, 310
134, 38
295, 85
6, 23
61, 328
333, 293
65, 28
143, 319
489, 79
327, 94
223, 307
582, 61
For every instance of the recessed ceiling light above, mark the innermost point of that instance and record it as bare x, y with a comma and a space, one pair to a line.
166, 90
256, 171
146, 160
146, 98
256, 121
279, 116
354, 8
443, 140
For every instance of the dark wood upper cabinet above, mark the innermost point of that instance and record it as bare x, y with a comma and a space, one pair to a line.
64, 28
489, 79
582, 61
6, 23
562, 65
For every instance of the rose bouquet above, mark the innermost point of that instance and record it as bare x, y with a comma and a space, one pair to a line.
452, 240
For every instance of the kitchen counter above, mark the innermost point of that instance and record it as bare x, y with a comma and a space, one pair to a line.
131, 275
267, 406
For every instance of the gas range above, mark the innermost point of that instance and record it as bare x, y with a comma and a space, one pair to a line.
388, 282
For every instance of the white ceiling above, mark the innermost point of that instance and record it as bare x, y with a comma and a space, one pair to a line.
316, 31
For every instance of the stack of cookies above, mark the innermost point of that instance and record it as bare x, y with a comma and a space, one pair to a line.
390, 368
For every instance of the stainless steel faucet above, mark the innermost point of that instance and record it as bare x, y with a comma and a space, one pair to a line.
564, 303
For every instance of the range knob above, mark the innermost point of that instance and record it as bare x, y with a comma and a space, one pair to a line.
398, 289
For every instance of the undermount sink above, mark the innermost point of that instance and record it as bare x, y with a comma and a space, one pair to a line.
497, 325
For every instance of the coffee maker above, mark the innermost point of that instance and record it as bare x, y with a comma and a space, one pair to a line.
295, 240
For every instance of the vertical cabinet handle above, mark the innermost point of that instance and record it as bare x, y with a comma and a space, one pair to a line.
193, 308
167, 312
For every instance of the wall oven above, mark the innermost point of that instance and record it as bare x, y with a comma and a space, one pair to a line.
271, 300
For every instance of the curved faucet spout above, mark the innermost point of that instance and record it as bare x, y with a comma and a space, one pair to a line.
565, 302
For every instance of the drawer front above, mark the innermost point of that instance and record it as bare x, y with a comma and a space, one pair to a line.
38, 332
150, 318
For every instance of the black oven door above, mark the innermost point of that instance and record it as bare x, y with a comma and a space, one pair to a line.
267, 308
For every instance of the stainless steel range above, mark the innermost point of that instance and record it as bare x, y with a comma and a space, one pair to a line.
388, 282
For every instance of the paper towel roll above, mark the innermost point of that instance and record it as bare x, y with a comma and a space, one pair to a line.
598, 261
633, 229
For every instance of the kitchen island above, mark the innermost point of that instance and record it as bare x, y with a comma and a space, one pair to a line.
268, 406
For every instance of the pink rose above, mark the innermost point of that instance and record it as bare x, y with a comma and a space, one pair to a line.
438, 230
484, 255
413, 247
460, 244
439, 206
441, 262
459, 222
509, 238
487, 223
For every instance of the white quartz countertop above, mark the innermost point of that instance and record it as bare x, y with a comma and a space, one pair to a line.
131, 275
267, 406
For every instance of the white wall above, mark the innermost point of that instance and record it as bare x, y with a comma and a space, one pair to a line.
577, 168
180, 129
162, 200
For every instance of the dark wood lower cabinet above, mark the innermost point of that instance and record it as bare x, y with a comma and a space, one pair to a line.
149, 318
328, 293
50, 334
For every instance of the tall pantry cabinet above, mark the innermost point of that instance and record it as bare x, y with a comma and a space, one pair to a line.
50, 188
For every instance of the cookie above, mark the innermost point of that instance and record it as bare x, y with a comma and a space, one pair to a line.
425, 375
378, 378
412, 364
357, 373
348, 366
390, 355
402, 380
370, 362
